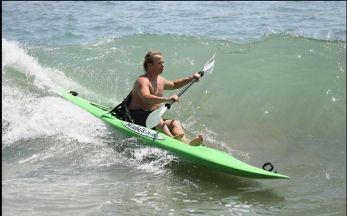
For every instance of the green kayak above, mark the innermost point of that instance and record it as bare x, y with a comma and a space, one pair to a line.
203, 155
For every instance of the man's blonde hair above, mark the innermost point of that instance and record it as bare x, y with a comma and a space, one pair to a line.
149, 58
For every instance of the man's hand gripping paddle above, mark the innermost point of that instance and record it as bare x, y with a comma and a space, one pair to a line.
154, 118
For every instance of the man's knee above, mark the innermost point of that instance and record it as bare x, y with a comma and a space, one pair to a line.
176, 123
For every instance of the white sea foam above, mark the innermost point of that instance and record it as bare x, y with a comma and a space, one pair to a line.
30, 117
16, 56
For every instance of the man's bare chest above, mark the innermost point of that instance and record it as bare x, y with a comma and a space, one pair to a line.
156, 88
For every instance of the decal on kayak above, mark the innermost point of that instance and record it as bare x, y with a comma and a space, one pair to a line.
143, 131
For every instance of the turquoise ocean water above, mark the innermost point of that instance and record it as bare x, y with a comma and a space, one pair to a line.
277, 94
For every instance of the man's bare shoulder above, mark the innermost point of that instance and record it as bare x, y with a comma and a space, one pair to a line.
162, 79
142, 79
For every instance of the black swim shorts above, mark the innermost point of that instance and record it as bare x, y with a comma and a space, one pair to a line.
140, 116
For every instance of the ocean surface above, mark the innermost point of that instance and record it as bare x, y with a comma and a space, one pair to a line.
277, 94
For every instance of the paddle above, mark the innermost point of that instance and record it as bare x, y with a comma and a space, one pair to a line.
154, 118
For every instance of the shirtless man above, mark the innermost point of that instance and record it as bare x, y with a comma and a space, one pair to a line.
147, 95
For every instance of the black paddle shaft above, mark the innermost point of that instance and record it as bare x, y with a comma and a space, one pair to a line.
168, 105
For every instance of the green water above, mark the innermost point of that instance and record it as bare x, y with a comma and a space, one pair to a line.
281, 99
277, 94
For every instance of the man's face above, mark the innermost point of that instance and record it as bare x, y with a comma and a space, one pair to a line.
158, 64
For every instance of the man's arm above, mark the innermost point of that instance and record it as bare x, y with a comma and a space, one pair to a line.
170, 85
145, 94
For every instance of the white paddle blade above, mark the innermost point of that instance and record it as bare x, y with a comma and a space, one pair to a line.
154, 118
209, 65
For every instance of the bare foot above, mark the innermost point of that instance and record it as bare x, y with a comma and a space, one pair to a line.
197, 141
